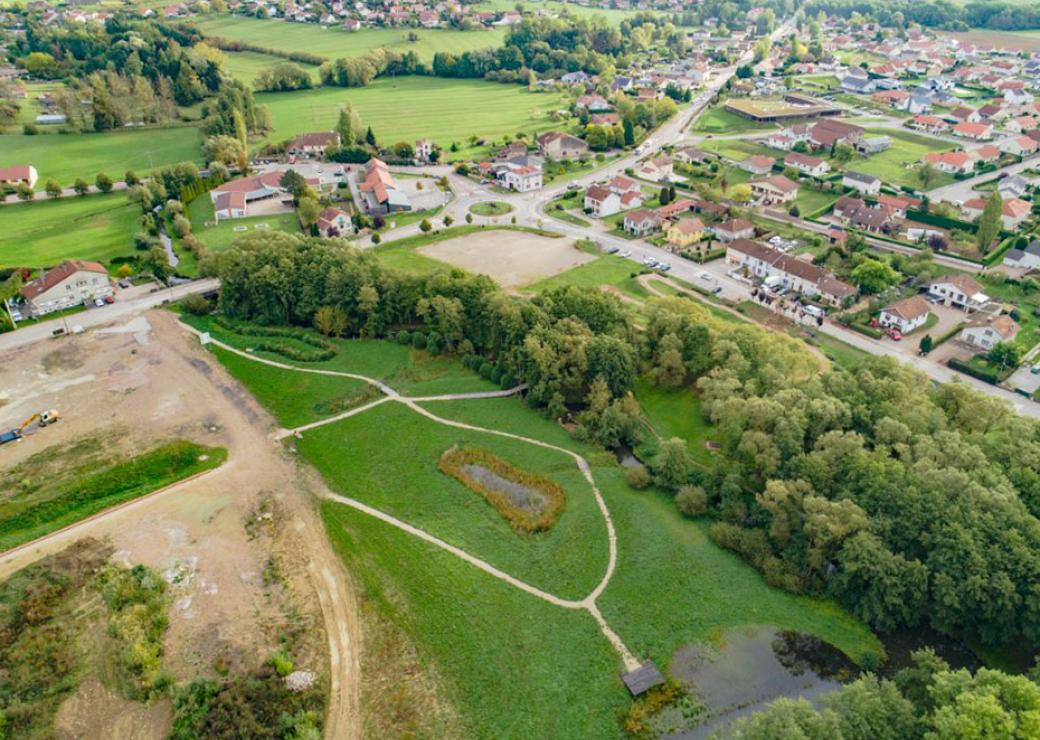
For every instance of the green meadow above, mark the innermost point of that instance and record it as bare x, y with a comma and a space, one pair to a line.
43, 233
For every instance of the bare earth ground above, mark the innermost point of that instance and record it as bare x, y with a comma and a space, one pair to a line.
137, 388
510, 258
999, 39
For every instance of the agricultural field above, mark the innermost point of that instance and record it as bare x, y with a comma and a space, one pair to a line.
613, 16
65, 157
247, 65
37, 234
445, 110
469, 626
335, 42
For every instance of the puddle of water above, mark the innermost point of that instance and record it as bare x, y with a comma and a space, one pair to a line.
519, 495
626, 457
751, 669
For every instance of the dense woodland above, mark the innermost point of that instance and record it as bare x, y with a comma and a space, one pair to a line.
910, 504
943, 14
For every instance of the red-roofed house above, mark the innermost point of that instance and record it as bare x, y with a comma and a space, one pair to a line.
601, 202
974, 131
17, 175
952, 162
69, 284
775, 189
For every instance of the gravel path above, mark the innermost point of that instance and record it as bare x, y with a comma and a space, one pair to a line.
588, 603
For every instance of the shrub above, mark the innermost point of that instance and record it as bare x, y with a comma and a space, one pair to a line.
196, 304
692, 501
496, 375
457, 461
404, 337
419, 340
323, 349
638, 477
281, 663
507, 381
485, 370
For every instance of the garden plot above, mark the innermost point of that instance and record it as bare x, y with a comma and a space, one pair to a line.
510, 258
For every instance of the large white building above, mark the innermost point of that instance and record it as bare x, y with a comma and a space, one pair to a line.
71, 283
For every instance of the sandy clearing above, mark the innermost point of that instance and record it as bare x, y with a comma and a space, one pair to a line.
510, 258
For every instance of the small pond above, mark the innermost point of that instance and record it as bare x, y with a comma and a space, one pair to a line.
522, 497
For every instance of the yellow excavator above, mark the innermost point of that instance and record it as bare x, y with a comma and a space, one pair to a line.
41, 418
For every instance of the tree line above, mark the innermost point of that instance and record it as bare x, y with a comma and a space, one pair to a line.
1000, 16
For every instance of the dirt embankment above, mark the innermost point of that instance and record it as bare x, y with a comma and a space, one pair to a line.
243, 548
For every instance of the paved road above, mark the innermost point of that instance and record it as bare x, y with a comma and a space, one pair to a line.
962, 190
105, 314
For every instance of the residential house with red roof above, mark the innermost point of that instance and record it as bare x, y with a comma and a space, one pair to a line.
71, 283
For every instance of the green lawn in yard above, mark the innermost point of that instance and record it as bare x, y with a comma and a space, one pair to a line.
218, 236
65, 157
410, 108
91, 227
907, 148
738, 150
387, 458
247, 65
817, 83
811, 201
335, 42
717, 120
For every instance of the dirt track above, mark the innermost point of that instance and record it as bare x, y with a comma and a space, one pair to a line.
137, 389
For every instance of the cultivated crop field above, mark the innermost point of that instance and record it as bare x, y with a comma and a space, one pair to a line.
335, 42
43, 233
410, 108
65, 157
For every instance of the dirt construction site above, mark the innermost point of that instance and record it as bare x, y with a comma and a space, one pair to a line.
129, 388
510, 258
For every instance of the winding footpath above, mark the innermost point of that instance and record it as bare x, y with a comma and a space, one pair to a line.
389, 394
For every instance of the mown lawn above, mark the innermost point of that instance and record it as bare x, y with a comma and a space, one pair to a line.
407, 370
387, 457
676, 412
410, 108
43, 233
335, 42
810, 201
608, 269
32, 506
65, 157
718, 120
218, 236
896, 164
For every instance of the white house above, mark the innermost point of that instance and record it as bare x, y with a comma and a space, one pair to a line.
806, 163
1028, 257
763, 262
905, 315
19, 174
866, 184
601, 202
71, 283
958, 290
523, 179
988, 332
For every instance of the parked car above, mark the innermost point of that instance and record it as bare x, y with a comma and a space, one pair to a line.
664, 267
611, 249
626, 254
110, 299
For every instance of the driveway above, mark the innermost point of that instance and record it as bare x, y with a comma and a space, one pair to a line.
1024, 380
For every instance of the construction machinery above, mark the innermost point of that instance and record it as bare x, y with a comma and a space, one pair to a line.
40, 418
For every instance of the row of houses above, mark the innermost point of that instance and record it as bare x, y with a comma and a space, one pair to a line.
755, 260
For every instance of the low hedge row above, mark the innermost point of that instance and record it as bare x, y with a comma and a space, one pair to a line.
963, 367
866, 329
322, 350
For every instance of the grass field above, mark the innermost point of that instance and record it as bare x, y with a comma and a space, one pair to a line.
717, 120
410, 108
490, 208
65, 157
43, 233
609, 269
810, 201
219, 236
895, 164
676, 413
44, 493
335, 42
612, 16
246, 65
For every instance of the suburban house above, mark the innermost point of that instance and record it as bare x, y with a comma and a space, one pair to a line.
986, 153
1018, 146
775, 189
232, 199
808, 164
685, 232
866, 184
676, 207
1028, 257
956, 163
1013, 212
761, 261
631, 199
656, 170
593, 103
958, 290
622, 185
874, 145
1013, 186
313, 145
828, 133
931, 124
640, 222
757, 164
974, 131
600, 202
18, 175
379, 191
736, 228
557, 145
986, 333
424, 150
71, 283
522, 178
333, 222
905, 315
